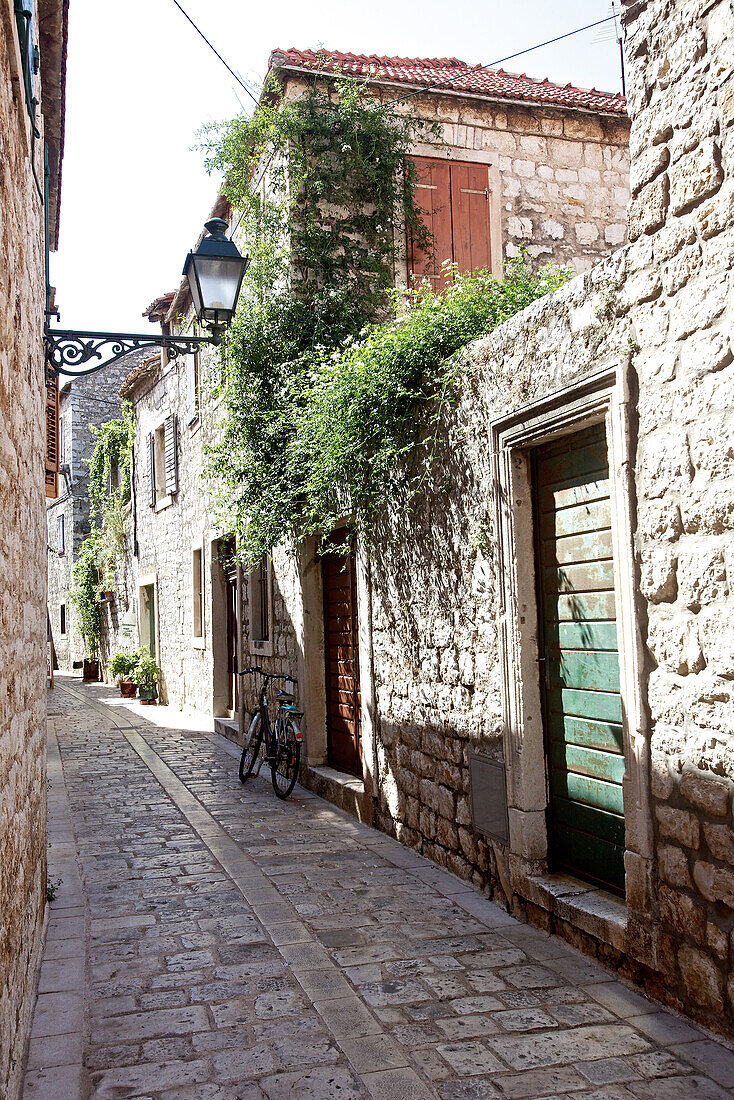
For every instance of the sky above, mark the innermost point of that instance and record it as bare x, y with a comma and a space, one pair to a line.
141, 83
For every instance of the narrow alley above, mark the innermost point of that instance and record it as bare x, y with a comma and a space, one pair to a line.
208, 940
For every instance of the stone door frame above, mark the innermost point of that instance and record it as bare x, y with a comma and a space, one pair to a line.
599, 397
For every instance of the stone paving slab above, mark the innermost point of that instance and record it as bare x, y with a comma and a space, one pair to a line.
210, 941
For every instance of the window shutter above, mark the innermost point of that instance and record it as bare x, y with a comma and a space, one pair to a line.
151, 468
191, 403
171, 450
52, 437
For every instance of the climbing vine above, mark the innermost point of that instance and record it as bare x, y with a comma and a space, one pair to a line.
110, 468
334, 379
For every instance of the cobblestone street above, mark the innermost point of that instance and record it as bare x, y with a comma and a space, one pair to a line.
218, 943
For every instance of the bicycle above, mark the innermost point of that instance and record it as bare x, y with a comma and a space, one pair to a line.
282, 740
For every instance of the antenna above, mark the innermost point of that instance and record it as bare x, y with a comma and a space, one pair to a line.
613, 32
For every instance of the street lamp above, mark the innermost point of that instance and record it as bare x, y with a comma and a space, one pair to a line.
214, 273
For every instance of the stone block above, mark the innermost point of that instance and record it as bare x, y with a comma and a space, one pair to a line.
695, 177
659, 521
702, 978
647, 165
673, 866
716, 630
679, 825
665, 463
648, 209
705, 792
712, 452
675, 644
715, 883
720, 840
447, 834
717, 940
716, 214
680, 912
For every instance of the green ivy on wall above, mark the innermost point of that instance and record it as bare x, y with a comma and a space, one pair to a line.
333, 377
110, 468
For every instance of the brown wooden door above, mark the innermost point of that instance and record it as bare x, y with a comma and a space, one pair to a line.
433, 197
343, 702
470, 216
453, 198
232, 677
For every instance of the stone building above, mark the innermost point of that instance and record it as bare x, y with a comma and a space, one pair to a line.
31, 118
537, 158
83, 403
539, 166
539, 695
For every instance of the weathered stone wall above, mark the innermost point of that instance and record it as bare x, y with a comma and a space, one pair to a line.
564, 174
84, 402
659, 312
22, 584
682, 226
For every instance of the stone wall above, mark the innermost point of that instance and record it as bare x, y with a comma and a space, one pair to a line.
84, 402
22, 577
563, 174
657, 316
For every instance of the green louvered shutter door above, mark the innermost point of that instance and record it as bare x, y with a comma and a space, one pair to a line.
579, 660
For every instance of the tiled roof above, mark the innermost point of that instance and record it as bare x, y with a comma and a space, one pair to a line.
452, 75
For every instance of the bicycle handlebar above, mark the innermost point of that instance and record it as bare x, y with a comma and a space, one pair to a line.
268, 675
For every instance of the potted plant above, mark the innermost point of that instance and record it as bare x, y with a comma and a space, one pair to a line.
146, 675
123, 665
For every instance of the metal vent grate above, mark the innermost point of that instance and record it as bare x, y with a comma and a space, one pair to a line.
488, 797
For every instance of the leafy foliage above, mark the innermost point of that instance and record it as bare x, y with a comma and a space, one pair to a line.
313, 436
109, 491
334, 380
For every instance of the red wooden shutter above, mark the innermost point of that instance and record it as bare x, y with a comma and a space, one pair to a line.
470, 216
52, 437
433, 196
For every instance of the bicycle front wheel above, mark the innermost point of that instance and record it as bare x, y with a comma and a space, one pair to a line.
251, 748
284, 770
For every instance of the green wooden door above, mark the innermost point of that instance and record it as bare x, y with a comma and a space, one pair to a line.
582, 706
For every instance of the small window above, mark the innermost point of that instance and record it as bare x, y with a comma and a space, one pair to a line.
60, 544
193, 386
198, 591
260, 618
163, 461
62, 618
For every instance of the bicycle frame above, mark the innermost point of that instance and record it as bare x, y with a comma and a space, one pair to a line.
269, 734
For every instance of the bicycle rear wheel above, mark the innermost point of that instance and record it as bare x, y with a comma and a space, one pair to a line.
284, 770
251, 748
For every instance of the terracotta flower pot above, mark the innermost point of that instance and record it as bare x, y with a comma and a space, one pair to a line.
128, 689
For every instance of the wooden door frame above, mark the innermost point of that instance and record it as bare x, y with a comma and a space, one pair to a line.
601, 396
453, 153
309, 623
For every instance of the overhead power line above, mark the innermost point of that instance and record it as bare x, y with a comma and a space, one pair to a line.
229, 68
501, 60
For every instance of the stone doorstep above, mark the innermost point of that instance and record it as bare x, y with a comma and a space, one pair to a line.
229, 728
341, 789
588, 908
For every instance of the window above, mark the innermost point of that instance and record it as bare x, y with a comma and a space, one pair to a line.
260, 600
28, 52
193, 382
60, 544
52, 438
163, 462
62, 619
454, 198
198, 591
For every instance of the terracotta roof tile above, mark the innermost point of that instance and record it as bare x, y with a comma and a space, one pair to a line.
452, 75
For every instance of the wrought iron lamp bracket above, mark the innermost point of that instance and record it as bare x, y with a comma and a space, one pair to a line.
68, 350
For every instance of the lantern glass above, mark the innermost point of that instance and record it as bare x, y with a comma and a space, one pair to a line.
217, 285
